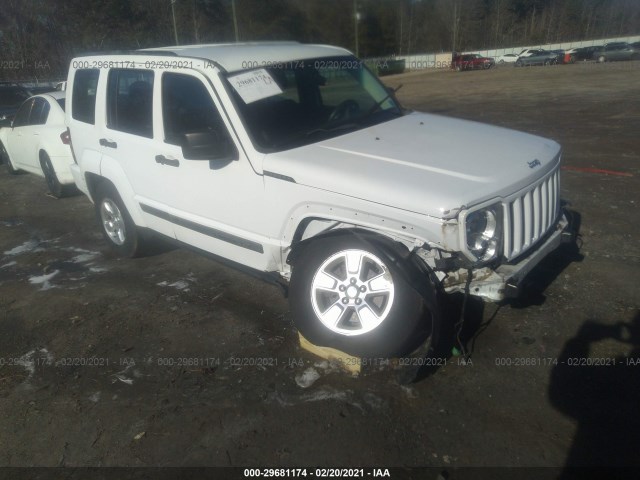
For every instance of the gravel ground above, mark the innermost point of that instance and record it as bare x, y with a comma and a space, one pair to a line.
176, 360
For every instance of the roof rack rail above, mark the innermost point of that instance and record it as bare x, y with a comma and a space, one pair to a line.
129, 52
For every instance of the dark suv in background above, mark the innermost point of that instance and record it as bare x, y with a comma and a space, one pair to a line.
11, 97
471, 61
616, 51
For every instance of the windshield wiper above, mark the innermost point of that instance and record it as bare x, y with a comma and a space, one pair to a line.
303, 135
343, 126
378, 104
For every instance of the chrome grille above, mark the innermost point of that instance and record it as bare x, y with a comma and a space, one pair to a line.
529, 215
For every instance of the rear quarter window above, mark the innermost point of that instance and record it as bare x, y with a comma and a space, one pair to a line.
39, 112
83, 103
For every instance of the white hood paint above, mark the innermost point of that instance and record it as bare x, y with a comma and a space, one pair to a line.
422, 163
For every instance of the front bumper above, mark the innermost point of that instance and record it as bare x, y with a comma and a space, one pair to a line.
506, 280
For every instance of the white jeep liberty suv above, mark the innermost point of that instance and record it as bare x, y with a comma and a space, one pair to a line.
293, 161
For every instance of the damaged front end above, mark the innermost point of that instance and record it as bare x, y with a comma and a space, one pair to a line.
489, 249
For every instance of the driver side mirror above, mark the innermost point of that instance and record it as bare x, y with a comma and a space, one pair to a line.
208, 145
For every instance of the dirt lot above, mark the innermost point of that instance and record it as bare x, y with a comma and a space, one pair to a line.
98, 353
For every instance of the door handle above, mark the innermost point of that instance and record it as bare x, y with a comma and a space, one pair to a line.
107, 143
162, 160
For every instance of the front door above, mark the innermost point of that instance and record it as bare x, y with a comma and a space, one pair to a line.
216, 201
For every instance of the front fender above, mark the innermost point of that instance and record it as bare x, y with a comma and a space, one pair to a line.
408, 227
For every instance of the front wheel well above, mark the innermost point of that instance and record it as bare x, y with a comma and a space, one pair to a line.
394, 250
300, 245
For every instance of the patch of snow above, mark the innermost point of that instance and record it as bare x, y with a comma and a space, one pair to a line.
409, 391
11, 223
44, 280
85, 257
28, 246
327, 366
180, 285
120, 375
28, 360
374, 401
325, 394
307, 378
123, 379
9, 264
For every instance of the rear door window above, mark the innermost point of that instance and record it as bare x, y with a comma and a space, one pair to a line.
130, 101
22, 116
39, 112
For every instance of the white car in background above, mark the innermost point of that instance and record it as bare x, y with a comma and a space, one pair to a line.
38, 142
507, 58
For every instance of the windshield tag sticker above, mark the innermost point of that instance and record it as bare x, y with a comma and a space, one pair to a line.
255, 85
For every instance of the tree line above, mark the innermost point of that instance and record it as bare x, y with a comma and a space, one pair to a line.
39, 37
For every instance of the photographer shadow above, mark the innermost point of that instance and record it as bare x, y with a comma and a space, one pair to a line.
602, 398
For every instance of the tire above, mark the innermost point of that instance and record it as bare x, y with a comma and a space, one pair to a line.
602, 59
517, 64
4, 156
547, 63
386, 307
53, 184
117, 226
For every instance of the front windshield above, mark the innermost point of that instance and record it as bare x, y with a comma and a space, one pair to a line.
296, 103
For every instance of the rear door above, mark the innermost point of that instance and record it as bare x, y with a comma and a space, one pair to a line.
129, 147
33, 133
18, 138
81, 118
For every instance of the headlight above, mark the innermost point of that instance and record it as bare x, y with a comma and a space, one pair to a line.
483, 233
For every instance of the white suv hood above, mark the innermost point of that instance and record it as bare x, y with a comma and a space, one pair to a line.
422, 163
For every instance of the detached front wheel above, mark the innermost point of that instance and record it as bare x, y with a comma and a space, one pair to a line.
354, 294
